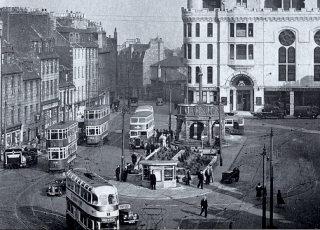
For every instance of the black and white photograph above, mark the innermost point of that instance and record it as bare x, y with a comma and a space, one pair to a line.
141, 114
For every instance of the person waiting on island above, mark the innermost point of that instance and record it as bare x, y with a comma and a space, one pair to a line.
259, 190
153, 180
280, 201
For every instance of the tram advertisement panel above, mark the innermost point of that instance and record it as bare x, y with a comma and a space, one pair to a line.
138, 127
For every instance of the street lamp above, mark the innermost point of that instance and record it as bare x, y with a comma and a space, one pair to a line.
271, 179
264, 195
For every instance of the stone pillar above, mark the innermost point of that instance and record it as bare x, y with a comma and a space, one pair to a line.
234, 99
251, 100
291, 102
187, 129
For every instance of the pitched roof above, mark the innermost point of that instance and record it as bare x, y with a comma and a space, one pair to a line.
11, 69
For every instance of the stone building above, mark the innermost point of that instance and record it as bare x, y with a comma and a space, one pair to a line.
252, 53
134, 61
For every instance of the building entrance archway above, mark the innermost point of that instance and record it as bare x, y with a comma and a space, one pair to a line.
241, 95
196, 130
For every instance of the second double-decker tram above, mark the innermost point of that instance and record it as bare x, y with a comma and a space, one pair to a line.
92, 202
62, 145
96, 121
141, 128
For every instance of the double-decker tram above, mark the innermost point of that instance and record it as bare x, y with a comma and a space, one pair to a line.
141, 129
96, 121
62, 145
92, 202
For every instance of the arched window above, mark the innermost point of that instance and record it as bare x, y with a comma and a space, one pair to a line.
209, 75
189, 30
189, 51
189, 74
287, 64
185, 30
197, 51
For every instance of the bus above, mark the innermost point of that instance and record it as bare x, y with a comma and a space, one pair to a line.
16, 157
232, 125
141, 129
147, 108
62, 145
92, 202
96, 121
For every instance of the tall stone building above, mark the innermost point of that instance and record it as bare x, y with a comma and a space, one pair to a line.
134, 61
251, 53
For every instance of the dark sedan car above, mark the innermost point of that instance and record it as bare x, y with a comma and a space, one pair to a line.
126, 215
58, 187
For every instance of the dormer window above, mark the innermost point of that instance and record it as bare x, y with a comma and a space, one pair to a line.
242, 3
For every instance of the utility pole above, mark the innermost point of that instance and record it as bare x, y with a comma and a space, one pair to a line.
271, 179
170, 109
264, 197
220, 131
123, 112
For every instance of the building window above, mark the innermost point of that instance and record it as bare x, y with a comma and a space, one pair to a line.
185, 50
241, 52
287, 68
31, 89
12, 115
231, 30
210, 30
287, 38
12, 85
189, 51
198, 74
19, 115
25, 113
197, 29
189, 30
197, 51
209, 51
185, 30
241, 29
231, 51
26, 89
189, 74
209, 75
242, 3
317, 64
250, 52
250, 32
56, 87
37, 85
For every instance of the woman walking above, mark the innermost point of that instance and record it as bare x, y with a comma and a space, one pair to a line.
280, 200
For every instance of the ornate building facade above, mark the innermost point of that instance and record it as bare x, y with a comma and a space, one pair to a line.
251, 53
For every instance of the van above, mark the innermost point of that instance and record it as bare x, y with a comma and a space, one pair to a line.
306, 111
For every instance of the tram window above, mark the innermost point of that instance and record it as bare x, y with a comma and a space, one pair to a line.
229, 122
112, 199
77, 188
61, 155
97, 131
60, 135
82, 192
55, 155
96, 225
69, 206
134, 133
91, 131
89, 197
91, 116
134, 120
142, 120
90, 225
94, 199
143, 133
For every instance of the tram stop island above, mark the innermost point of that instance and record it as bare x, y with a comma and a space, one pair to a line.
165, 172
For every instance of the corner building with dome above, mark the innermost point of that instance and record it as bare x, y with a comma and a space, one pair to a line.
251, 53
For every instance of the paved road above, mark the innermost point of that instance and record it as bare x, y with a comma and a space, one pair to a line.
296, 172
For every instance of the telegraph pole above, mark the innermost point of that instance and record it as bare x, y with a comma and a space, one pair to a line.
264, 197
271, 179
123, 112
170, 109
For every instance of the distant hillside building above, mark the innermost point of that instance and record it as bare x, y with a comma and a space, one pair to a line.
251, 53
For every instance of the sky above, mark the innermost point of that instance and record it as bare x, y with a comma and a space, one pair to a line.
144, 19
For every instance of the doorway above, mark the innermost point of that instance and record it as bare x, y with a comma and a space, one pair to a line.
243, 100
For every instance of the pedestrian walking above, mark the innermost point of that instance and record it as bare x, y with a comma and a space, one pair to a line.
207, 175
134, 158
118, 173
188, 177
211, 173
259, 190
204, 206
153, 180
200, 178
280, 200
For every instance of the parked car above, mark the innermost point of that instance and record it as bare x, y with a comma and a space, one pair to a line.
306, 111
270, 111
159, 102
126, 215
57, 188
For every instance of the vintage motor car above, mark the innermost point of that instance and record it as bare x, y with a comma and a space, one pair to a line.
57, 188
126, 215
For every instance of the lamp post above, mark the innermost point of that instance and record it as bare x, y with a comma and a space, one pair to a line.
264, 197
123, 112
271, 179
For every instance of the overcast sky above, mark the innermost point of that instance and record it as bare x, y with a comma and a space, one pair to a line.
142, 19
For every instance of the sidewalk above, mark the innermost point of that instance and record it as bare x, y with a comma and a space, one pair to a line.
229, 154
